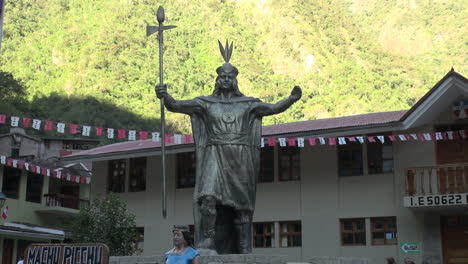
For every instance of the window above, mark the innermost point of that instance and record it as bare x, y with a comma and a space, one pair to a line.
350, 159
290, 234
267, 164
34, 187
11, 182
380, 157
264, 235
289, 163
353, 232
384, 231
186, 169
137, 171
117, 172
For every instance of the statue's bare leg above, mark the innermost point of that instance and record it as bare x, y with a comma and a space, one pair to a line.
243, 225
208, 221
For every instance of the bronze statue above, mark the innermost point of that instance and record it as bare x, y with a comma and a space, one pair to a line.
227, 133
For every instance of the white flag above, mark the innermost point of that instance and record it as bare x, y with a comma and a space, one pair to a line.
3, 159
341, 141
178, 139
132, 135
360, 139
262, 142
381, 139
438, 136
282, 142
110, 133
14, 121
61, 127
36, 124
155, 136
300, 142
15, 163
321, 140
402, 137
450, 135
427, 136
86, 131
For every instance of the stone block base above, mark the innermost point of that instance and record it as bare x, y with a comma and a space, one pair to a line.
220, 259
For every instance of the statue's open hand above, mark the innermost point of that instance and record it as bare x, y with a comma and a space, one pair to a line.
296, 93
161, 90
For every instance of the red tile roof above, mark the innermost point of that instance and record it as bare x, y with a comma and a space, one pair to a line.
331, 123
118, 147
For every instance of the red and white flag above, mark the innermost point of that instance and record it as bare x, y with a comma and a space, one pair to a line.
5, 212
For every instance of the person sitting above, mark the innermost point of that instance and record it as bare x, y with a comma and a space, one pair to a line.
182, 251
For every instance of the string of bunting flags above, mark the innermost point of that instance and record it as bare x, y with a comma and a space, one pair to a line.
42, 170
313, 141
131, 135
86, 130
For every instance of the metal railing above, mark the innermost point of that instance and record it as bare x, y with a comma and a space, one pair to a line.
66, 201
434, 180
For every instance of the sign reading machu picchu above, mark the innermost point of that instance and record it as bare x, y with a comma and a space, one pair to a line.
66, 254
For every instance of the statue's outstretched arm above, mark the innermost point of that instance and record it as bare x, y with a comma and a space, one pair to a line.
265, 109
178, 106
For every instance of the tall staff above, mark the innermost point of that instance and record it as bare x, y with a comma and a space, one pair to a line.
149, 31
2, 14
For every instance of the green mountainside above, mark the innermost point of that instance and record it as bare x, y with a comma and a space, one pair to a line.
90, 62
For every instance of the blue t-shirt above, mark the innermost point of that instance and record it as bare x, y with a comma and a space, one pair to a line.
185, 258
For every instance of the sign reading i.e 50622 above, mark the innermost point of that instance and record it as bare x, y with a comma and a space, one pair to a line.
436, 200
66, 254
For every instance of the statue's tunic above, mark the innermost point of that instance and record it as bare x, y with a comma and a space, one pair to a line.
227, 138
227, 135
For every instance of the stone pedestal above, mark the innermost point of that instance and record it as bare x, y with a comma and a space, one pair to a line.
220, 259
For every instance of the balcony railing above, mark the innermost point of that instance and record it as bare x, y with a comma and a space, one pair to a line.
61, 200
435, 180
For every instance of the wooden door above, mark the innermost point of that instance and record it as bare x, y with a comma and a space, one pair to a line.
455, 239
7, 257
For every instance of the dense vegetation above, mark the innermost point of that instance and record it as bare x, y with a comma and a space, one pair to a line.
89, 61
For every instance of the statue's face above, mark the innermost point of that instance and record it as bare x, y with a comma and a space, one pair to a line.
226, 80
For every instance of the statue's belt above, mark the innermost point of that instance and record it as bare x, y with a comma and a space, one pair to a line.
229, 138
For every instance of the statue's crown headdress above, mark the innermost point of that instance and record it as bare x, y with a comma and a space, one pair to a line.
226, 52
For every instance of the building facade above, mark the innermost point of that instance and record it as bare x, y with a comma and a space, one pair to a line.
38, 208
391, 184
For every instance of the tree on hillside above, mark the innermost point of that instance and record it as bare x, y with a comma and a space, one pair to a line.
106, 220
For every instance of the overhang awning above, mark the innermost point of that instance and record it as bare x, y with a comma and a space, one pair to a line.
27, 231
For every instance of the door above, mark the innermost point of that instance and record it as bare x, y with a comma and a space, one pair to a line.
7, 257
455, 239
